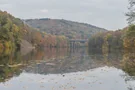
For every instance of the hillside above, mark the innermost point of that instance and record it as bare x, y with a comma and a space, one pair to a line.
63, 27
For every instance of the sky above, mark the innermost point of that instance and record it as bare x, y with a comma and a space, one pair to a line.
108, 14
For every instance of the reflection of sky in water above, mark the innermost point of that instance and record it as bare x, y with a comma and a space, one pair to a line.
105, 78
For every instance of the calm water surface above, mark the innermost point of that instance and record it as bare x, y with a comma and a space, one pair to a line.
63, 69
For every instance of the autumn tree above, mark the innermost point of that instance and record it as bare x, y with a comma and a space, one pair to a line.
129, 39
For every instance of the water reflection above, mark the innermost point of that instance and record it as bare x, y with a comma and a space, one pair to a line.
10, 64
67, 68
113, 58
128, 63
61, 61
95, 79
66, 61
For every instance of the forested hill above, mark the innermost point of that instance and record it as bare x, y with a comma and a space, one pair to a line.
63, 27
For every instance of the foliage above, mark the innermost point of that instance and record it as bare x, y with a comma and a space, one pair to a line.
13, 30
129, 38
40, 39
9, 30
107, 40
128, 63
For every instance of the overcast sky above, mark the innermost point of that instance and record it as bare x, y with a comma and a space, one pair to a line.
108, 14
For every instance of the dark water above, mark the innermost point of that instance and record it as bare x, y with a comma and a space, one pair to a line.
63, 69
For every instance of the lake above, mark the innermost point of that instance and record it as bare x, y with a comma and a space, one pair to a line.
67, 69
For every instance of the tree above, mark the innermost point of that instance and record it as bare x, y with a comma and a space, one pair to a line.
131, 13
129, 39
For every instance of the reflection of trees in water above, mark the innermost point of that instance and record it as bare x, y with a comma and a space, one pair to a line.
120, 59
52, 60
10, 64
79, 53
46, 54
46, 60
70, 60
116, 57
111, 58
67, 61
128, 63
64, 60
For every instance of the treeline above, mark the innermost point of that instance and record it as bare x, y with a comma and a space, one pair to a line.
13, 30
42, 39
120, 39
9, 31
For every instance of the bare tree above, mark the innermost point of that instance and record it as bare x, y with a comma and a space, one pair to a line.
131, 13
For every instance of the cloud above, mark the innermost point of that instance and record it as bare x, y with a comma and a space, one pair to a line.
103, 13
44, 11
